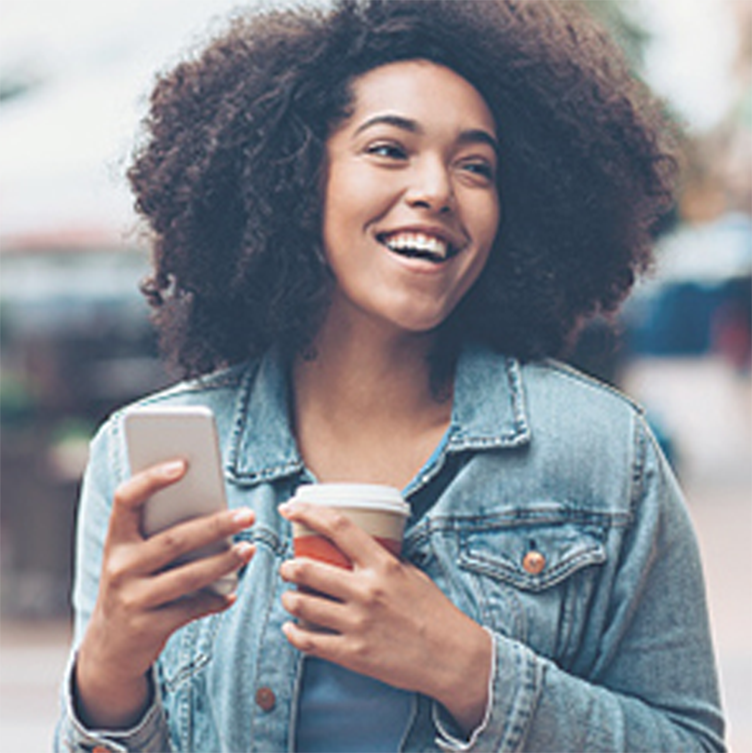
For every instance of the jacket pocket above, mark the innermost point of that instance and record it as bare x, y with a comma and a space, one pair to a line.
534, 574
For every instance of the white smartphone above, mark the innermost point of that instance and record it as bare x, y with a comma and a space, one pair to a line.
158, 434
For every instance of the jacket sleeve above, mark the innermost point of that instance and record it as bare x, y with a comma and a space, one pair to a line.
104, 472
654, 685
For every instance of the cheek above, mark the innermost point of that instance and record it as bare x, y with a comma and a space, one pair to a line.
485, 226
492, 220
346, 201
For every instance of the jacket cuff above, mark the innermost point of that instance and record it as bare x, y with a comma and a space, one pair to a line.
149, 735
514, 687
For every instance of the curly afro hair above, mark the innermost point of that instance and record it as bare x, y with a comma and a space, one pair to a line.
229, 175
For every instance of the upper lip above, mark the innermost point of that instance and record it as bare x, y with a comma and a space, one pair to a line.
452, 239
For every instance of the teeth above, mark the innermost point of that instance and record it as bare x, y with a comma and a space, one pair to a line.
426, 244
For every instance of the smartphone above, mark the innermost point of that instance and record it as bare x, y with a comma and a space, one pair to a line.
156, 434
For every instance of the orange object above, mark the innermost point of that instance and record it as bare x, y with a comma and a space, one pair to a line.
321, 549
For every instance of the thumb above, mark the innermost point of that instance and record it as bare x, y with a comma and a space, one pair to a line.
130, 497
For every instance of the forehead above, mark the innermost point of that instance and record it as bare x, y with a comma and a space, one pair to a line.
422, 90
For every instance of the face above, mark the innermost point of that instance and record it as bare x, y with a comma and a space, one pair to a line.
410, 202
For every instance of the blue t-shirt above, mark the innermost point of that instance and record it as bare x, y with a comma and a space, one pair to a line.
344, 712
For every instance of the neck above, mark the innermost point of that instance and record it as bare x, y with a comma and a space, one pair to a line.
364, 407
366, 373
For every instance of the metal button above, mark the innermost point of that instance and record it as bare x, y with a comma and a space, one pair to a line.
533, 562
100, 749
266, 699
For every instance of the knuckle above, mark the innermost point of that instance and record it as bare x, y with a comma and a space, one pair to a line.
172, 541
360, 650
391, 566
374, 595
339, 523
129, 603
115, 570
120, 496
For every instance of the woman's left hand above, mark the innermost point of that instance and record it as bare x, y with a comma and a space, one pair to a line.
385, 618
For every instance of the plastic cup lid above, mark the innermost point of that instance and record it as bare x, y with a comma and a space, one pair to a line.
362, 496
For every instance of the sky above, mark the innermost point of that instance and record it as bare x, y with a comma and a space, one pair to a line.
694, 44
64, 146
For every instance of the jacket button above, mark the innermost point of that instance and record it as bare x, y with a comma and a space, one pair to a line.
533, 562
266, 699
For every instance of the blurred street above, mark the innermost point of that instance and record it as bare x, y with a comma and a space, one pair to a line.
707, 409
32, 661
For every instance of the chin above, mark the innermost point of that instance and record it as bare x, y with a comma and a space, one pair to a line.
420, 324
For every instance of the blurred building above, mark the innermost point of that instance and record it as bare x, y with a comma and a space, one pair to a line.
74, 342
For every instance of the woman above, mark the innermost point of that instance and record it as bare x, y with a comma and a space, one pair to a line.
371, 227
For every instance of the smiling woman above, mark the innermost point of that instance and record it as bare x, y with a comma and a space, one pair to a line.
373, 226
416, 182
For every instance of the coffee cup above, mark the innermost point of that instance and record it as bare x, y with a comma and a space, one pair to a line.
379, 510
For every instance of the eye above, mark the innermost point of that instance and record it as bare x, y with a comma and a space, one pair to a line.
479, 167
388, 150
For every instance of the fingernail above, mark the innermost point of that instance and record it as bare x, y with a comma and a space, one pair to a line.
243, 516
245, 550
173, 468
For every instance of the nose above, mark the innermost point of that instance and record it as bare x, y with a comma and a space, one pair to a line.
431, 187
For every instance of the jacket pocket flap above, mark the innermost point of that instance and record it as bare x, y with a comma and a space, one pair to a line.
532, 556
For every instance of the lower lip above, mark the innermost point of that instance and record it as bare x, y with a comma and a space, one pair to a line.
414, 264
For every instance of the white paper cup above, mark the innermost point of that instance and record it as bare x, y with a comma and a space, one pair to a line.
379, 510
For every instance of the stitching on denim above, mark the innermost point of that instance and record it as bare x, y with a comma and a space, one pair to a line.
240, 416
518, 516
639, 443
516, 388
263, 535
463, 439
263, 631
588, 381
188, 640
117, 451
520, 716
508, 573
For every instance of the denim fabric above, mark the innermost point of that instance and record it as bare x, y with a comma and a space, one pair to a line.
606, 648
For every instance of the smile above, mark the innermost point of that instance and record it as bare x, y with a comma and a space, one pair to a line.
416, 245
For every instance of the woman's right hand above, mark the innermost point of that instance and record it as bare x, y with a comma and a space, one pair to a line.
141, 601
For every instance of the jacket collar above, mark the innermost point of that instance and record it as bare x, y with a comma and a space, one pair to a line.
488, 412
489, 402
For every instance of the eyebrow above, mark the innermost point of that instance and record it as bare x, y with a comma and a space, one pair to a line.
470, 136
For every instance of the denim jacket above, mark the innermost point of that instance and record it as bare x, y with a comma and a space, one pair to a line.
547, 514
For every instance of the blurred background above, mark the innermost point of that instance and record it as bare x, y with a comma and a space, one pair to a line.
75, 341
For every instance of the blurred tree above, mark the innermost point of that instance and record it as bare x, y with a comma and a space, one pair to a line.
11, 86
621, 19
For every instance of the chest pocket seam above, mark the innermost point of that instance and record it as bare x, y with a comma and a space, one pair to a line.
561, 561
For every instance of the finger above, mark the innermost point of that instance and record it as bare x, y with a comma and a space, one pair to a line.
191, 577
358, 546
165, 547
125, 520
314, 642
324, 578
316, 609
176, 614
